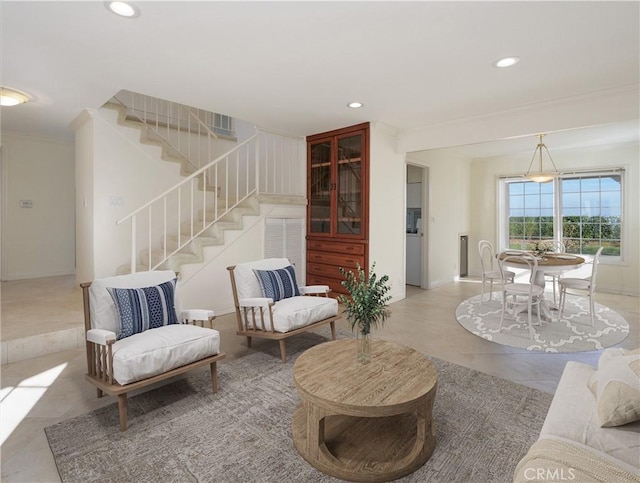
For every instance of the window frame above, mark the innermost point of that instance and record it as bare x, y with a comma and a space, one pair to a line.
502, 204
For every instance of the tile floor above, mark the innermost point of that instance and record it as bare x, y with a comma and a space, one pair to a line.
41, 391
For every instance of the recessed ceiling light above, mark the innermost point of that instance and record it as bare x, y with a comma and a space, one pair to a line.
12, 97
124, 9
355, 105
506, 62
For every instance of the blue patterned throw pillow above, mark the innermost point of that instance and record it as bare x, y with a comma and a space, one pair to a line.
278, 284
144, 308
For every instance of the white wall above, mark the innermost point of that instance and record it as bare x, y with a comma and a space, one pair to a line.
449, 215
38, 241
207, 285
113, 167
387, 215
84, 197
616, 277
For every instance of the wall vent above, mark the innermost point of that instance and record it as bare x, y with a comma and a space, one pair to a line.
284, 237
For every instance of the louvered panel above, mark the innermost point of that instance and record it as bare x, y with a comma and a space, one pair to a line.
284, 237
274, 240
294, 240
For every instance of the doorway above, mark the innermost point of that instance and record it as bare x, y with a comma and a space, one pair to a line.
416, 232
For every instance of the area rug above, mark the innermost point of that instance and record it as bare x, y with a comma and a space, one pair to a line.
182, 432
572, 333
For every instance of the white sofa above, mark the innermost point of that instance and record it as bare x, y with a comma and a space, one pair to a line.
573, 445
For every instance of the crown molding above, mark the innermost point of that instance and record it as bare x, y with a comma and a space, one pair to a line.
598, 107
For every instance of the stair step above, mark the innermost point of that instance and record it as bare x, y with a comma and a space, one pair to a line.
216, 207
194, 245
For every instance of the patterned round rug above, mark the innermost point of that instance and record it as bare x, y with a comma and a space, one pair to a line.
572, 333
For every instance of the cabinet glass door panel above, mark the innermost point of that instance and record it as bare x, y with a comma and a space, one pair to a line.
349, 185
320, 188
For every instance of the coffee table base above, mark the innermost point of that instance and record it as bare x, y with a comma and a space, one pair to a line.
365, 449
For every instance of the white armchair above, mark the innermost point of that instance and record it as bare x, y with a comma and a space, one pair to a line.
270, 305
137, 335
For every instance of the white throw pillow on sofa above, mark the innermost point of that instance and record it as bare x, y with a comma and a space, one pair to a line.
616, 385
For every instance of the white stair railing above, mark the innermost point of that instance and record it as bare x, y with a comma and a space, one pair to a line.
266, 163
181, 128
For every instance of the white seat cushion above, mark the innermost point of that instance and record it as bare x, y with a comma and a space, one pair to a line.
523, 289
295, 312
156, 351
577, 283
495, 274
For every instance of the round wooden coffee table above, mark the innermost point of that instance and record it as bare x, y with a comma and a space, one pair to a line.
364, 422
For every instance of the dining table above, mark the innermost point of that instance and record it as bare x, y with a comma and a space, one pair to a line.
548, 264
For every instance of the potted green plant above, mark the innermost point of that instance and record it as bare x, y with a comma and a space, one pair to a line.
366, 306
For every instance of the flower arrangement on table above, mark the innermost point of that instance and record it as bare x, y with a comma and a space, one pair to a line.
540, 247
366, 307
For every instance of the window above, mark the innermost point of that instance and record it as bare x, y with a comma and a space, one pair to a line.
223, 125
583, 210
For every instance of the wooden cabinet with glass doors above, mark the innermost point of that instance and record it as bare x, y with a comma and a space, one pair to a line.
338, 207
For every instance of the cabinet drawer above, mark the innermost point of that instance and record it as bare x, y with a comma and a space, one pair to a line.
334, 285
336, 259
337, 247
324, 270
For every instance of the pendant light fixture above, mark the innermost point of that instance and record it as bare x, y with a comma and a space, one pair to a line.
541, 176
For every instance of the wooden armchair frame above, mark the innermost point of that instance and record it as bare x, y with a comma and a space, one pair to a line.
262, 327
100, 362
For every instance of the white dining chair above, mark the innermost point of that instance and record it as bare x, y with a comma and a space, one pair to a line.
490, 270
517, 295
557, 247
582, 285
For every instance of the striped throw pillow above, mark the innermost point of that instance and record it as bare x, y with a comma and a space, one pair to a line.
278, 284
144, 308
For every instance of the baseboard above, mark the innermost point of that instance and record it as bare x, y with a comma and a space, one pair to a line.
618, 291
17, 350
26, 276
439, 283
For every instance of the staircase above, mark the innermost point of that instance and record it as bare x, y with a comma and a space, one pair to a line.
193, 251
215, 194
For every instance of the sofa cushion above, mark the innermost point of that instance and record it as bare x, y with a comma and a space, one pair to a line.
295, 312
144, 308
573, 416
300, 311
156, 351
103, 311
278, 284
247, 284
616, 385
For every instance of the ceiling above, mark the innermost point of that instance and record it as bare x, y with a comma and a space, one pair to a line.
293, 66
590, 136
